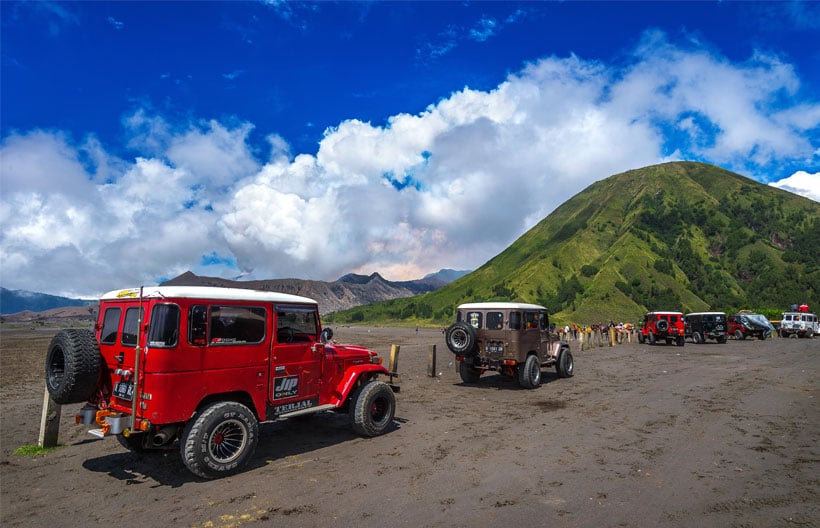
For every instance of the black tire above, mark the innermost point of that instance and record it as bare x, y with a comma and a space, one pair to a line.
72, 366
696, 339
681, 341
220, 440
468, 373
372, 408
565, 366
739, 335
662, 325
651, 338
461, 339
529, 374
640, 338
722, 339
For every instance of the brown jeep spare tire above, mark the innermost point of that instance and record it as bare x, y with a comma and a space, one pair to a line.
72, 366
461, 339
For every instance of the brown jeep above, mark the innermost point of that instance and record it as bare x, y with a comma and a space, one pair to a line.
511, 338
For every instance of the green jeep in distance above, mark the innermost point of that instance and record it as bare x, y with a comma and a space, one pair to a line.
511, 338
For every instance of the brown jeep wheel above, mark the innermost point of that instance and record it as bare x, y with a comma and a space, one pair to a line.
461, 339
565, 366
529, 374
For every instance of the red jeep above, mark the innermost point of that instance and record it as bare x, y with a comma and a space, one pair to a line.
662, 326
200, 367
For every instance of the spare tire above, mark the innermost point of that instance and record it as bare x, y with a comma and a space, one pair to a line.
72, 366
662, 325
461, 339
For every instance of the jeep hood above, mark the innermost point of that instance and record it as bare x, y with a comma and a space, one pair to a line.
351, 351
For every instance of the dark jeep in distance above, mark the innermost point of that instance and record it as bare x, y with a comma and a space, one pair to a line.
700, 326
747, 324
511, 338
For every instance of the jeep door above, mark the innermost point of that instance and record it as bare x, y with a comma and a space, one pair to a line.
297, 359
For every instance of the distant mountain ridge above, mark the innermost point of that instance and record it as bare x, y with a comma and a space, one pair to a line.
346, 292
14, 301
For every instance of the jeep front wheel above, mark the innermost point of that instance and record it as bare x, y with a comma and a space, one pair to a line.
372, 408
739, 335
72, 366
220, 440
529, 374
461, 339
696, 339
565, 366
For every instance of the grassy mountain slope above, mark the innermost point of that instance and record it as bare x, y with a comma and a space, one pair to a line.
684, 236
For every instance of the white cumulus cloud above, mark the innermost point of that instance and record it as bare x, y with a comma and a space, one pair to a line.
449, 187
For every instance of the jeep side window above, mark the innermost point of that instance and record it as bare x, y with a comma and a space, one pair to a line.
130, 326
530, 320
198, 325
542, 321
474, 319
111, 323
164, 328
495, 320
295, 324
237, 325
515, 320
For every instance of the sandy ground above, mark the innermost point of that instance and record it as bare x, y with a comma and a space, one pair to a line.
704, 435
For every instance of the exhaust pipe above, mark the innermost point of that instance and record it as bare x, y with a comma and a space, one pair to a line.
164, 435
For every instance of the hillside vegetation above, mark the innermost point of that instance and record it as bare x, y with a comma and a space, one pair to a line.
677, 236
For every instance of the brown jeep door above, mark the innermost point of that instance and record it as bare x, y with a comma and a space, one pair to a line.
531, 334
296, 368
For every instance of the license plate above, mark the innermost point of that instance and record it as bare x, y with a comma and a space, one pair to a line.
124, 390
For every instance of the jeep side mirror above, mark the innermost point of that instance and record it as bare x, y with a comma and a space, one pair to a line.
327, 335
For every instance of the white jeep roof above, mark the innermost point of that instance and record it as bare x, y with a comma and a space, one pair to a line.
706, 313
205, 292
500, 306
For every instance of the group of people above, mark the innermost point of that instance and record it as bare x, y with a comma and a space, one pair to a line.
573, 331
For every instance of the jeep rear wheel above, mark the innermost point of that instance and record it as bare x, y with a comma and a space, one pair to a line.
220, 440
529, 374
565, 366
461, 339
72, 366
372, 408
696, 339
739, 335
468, 373
651, 338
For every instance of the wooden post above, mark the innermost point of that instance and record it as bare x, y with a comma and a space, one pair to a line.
394, 358
49, 422
431, 361
611, 336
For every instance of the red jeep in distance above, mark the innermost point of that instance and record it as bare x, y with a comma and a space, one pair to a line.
201, 367
662, 326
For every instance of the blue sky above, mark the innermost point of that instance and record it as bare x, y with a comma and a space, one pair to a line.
309, 140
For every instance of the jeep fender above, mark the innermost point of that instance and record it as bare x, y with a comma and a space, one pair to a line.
350, 379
